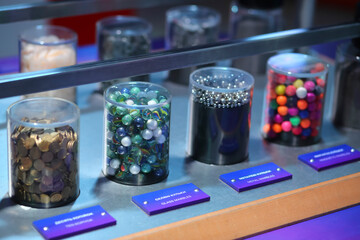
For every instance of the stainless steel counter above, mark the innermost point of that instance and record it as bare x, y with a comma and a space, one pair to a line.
16, 221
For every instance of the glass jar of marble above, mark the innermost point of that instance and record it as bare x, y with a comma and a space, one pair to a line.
137, 127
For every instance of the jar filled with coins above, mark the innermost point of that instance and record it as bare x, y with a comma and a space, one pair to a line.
43, 152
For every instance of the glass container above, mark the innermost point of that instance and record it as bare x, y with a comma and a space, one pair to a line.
294, 101
346, 110
251, 18
137, 127
120, 37
188, 26
43, 140
219, 115
46, 47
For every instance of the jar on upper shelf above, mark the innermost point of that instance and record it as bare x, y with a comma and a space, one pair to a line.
46, 47
250, 18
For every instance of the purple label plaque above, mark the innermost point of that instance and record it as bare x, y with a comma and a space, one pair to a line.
330, 157
254, 177
73, 223
170, 198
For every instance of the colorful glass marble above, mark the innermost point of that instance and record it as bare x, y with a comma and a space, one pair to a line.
137, 148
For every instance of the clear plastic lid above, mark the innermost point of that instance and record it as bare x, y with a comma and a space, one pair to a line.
48, 35
43, 112
297, 65
222, 79
192, 16
127, 26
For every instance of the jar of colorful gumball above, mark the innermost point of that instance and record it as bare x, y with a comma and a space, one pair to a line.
294, 99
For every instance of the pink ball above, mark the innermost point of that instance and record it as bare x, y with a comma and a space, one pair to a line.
309, 85
290, 90
286, 126
310, 97
293, 111
278, 118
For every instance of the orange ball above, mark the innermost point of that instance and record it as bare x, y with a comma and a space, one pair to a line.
282, 110
266, 128
305, 123
277, 128
302, 104
281, 100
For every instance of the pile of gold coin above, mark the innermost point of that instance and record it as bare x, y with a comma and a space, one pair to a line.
44, 165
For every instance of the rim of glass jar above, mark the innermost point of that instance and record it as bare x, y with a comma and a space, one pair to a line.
226, 90
194, 8
135, 106
118, 18
300, 75
44, 125
40, 27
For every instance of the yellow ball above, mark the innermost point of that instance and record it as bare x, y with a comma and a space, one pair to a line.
280, 89
298, 83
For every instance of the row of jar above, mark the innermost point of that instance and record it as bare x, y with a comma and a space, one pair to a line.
43, 135
47, 47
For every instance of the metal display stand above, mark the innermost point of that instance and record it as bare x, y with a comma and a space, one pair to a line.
229, 214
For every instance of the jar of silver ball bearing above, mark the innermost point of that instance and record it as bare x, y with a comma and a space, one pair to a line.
219, 115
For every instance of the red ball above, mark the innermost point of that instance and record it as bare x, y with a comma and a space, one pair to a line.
314, 132
281, 79
290, 90
320, 82
297, 130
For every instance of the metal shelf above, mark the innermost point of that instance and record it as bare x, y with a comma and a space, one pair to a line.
24, 83
33, 11
204, 219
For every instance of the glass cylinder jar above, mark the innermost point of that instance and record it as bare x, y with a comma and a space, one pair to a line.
43, 136
46, 47
120, 37
346, 110
295, 99
250, 18
219, 115
137, 127
188, 26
